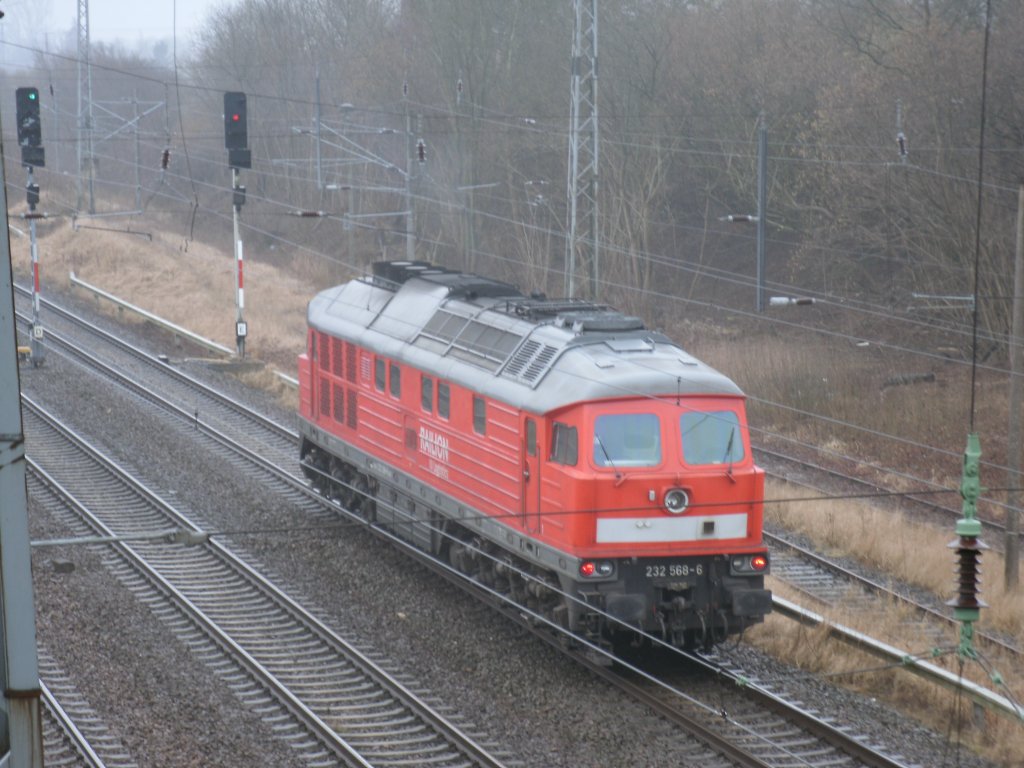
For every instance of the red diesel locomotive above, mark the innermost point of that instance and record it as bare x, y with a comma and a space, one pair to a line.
554, 450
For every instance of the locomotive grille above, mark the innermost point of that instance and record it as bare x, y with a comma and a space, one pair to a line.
530, 362
540, 363
521, 358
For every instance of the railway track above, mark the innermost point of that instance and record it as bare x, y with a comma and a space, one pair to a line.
224, 408
715, 701
73, 735
334, 704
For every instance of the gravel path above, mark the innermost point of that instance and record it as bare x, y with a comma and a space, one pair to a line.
171, 711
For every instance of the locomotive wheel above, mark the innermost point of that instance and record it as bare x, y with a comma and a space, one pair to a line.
363, 503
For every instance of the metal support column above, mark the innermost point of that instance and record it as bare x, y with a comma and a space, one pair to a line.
582, 241
762, 194
36, 341
21, 744
86, 159
241, 328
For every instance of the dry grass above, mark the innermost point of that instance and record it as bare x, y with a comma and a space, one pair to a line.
913, 552
189, 283
993, 736
813, 376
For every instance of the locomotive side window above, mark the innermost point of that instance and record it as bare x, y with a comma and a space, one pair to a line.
396, 380
531, 437
444, 400
711, 437
627, 440
479, 415
427, 393
380, 374
565, 445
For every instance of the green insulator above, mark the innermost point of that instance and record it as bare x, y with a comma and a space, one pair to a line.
966, 647
970, 488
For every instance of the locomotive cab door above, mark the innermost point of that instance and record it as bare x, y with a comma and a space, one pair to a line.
531, 475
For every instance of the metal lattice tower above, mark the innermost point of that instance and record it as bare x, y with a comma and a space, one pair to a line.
582, 243
86, 159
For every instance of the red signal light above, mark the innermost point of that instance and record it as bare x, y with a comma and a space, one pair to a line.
759, 562
235, 133
587, 568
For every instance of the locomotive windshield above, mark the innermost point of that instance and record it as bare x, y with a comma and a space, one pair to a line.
711, 437
627, 440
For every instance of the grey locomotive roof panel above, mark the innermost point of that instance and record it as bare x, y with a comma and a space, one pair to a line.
484, 335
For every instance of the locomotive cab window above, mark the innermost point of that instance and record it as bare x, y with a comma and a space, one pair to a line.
627, 440
427, 394
396, 380
565, 445
711, 437
380, 374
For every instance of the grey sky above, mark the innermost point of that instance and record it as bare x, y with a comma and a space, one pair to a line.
127, 20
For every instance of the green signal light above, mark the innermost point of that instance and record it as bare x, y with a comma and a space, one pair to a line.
32, 95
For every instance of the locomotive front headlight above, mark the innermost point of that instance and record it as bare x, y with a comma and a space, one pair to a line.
676, 501
749, 564
596, 569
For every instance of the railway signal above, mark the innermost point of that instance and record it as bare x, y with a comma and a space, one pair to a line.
235, 128
236, 131
30, 128
30, 137
236, 141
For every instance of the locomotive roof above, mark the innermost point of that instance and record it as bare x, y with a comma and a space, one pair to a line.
529, 351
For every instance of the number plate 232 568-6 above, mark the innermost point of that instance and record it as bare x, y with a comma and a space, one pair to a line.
673, 570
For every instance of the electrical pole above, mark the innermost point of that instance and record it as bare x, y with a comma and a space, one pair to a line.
350, 208
762, 194
138, 156
1013, 448
316, 128
410, 231
86, 160
465, 180
583, 235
